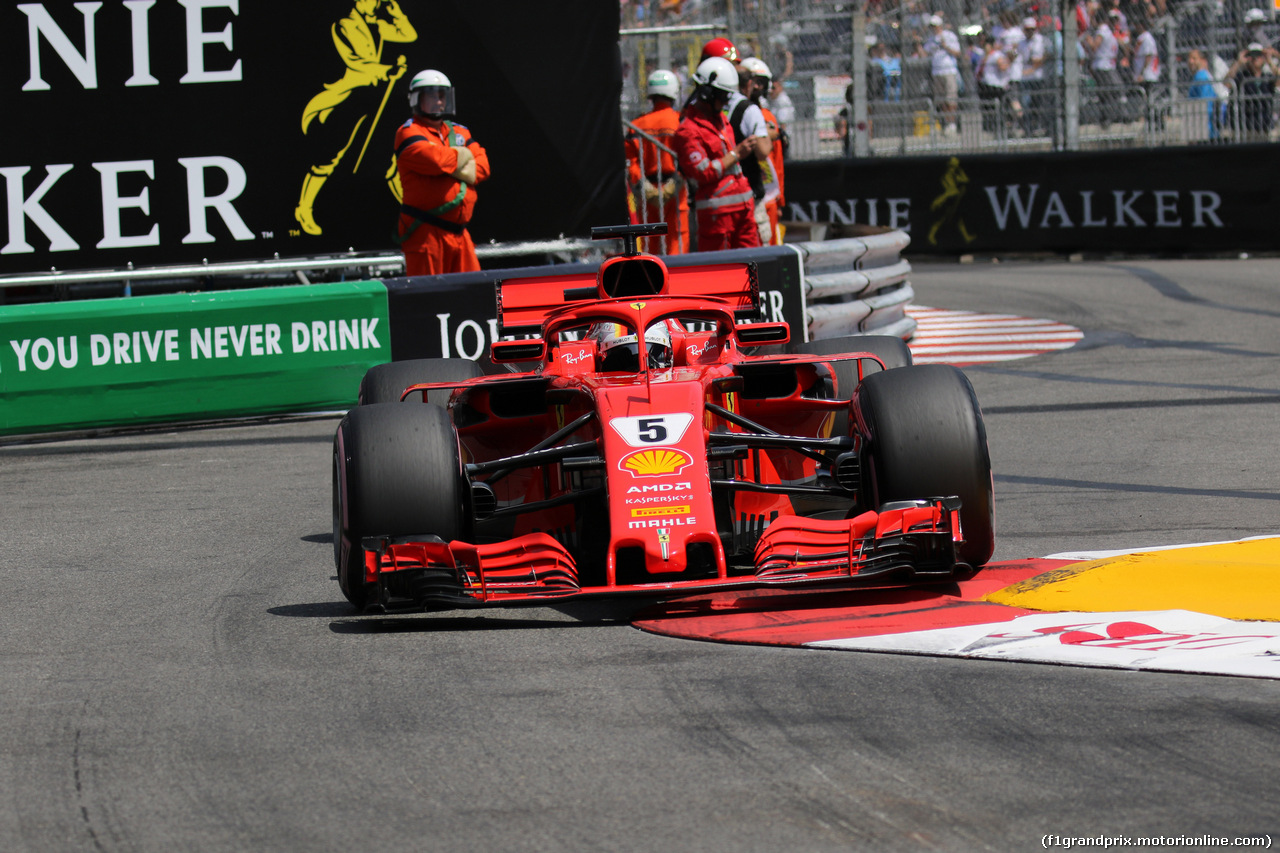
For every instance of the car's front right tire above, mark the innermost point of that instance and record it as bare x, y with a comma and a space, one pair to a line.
396, 472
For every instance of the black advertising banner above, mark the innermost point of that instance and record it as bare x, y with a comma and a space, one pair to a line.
1180, 200
171, 131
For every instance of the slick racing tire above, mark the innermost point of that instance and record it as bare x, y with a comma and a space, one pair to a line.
396, 472
926, 438
386, 382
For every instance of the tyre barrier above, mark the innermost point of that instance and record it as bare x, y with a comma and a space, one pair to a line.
857, 286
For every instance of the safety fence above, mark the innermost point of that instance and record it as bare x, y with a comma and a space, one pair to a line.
868, 67
1030, 119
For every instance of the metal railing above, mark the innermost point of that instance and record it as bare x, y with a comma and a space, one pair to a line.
639, 201
363, 265
1123, 117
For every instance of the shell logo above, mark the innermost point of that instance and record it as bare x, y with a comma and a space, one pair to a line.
655, 463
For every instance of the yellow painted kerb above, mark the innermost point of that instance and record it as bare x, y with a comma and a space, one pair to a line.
1235, 580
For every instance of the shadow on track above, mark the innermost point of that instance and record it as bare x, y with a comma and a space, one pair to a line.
583, 614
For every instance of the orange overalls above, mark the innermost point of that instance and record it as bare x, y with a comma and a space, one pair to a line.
774, 196
437, 207
648, 189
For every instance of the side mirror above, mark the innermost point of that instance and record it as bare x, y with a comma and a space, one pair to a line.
757, 334
505, 352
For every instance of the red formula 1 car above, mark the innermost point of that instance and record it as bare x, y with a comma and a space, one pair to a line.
652, 449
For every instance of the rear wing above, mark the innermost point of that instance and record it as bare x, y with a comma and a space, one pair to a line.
524, 303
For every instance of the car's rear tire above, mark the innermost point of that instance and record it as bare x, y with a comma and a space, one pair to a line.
384, 383
926, 438
396, 472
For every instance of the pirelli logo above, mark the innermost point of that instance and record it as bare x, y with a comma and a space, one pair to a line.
651, 511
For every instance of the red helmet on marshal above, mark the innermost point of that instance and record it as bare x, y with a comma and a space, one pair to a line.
720, 48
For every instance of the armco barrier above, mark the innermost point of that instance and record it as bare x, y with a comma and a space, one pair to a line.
111, 362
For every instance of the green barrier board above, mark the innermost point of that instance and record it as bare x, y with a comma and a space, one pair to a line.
152, 359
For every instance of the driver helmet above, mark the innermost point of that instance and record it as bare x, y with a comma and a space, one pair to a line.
620, 351
431, 94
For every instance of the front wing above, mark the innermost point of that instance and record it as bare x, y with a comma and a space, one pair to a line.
913, 539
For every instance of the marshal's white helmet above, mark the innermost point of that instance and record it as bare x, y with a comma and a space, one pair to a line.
717, 73
756, 67
620, 351
431, 94
1255, 16
665, 84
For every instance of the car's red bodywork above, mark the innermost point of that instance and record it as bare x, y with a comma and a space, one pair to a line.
721, 471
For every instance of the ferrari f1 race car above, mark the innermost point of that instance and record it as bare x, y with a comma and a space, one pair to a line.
662, 442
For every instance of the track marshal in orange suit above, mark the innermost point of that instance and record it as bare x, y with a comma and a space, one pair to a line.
439, 165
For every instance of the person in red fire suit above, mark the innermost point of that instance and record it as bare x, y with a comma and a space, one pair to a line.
708, 158
439, 165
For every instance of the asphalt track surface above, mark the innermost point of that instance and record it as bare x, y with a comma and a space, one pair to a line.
180, 673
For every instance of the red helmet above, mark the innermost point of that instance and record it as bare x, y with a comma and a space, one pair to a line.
720, 47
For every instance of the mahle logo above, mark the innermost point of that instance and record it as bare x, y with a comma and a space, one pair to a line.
655, 463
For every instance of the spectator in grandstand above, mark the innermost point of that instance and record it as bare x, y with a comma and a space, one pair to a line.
1202, 89
1103, 51
651, 172
439, 164
875, 70
841, 122
1256, 30
993, 86
1119, 21
943, 48
1145, 65
709, 158
1034, 54
1253, 76
780, 103
785, 112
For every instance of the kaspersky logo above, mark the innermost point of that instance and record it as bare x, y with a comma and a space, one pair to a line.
657, 462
